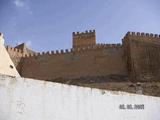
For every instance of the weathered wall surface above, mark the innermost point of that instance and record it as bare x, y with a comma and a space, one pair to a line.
27, 99
143, 56
138, 57
98, 61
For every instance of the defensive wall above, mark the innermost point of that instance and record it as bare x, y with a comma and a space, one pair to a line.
98, 60
16, 55
29, 99
143, 56
137, 57
86, 58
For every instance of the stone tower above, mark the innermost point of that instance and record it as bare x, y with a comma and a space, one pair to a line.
84, 39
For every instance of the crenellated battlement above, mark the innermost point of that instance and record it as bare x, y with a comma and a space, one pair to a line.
84, 34
141, 36
137, 57
84, 38
57, 52
16, 56
12, 49
76, 50
15, 53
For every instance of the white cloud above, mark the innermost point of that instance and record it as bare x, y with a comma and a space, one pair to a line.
19, 42
29, 43
24, 5
19, 3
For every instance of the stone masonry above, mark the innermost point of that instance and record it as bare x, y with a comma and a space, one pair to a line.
137, 58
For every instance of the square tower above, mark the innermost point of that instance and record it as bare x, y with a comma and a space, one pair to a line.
81, 40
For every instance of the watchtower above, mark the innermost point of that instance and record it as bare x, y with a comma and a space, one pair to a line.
84, 39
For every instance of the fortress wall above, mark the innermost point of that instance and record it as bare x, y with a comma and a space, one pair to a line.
28, 99
14, 52
143, 55
99, 60
15, 55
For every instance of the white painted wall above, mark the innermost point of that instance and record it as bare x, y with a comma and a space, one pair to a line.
5, 60
28, 99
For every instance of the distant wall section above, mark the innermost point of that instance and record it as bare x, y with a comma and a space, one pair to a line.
99, 60
15, 55
143, 56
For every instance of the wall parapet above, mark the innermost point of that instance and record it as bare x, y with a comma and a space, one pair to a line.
12, 49
75, 50
83, 34
142, 34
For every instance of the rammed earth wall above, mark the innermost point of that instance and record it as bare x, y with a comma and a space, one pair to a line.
143, 56
99, 60
137, 57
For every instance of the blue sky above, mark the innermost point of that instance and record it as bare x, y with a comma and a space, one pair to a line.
47, 25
